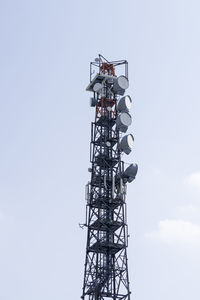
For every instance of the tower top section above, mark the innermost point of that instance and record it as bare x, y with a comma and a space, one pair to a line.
101, 69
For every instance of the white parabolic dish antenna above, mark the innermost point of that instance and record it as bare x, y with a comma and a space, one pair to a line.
130, 141
126, 143
120, 85
123, 121
97, 87
124, 104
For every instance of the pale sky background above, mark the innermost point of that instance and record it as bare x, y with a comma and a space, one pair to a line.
45, 51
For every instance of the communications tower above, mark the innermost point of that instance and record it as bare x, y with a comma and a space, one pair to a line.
106, 270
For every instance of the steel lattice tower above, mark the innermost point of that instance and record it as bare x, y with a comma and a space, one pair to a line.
106, 269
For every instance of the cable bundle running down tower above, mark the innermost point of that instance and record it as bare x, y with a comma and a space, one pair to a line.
106, 270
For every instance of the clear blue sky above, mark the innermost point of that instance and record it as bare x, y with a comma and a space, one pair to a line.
46, 47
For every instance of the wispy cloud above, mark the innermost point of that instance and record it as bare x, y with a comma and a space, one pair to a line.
170, 231
194, 180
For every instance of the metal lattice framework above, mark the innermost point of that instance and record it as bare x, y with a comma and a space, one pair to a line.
106, 270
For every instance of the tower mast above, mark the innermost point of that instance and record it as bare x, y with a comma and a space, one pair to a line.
106, 269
